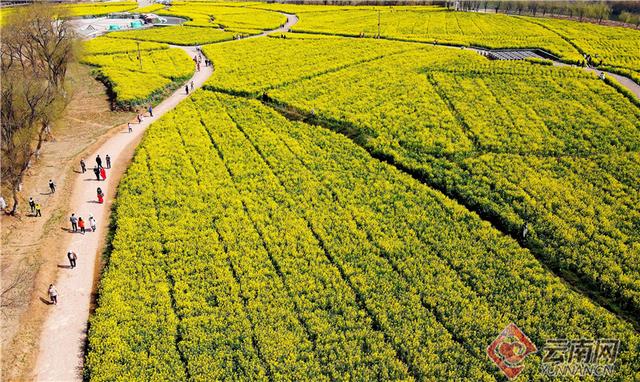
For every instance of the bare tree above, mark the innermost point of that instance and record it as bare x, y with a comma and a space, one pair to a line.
36, 48
533, 7
10, 292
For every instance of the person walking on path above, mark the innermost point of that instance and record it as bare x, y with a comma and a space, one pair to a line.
72, 256
129, 127
52, 186
96, 171
81, 225
108, 159
74, 223
139, 118
53, 294
38, 210
98, 161
100, 195
150, 109
83, 166
186, 89
103, 173
192, 87
32, 204
92, 223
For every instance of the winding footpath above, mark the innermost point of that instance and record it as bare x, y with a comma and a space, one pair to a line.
64, 333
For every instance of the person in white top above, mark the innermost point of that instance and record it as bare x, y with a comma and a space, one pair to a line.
53, 294
92, 223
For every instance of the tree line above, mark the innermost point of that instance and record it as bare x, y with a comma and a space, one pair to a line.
36, 49
627, 12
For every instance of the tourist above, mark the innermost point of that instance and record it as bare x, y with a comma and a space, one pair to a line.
81, 225
100, 195
53, 294
186, 89
103, 173
38, 210
74, 223
72, 256
192, 86
83, 166
32, 204
150, 109
92, 223
98, 161
139, 118
129, 127
525, 230
52, 186
108, 159
96, 171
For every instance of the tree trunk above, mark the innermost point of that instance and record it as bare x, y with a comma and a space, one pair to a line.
15, 200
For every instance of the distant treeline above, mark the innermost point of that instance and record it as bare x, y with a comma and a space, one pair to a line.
360, 2
623, 11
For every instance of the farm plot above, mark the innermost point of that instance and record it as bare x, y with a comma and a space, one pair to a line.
613, 48
108, 45
311, 261
178, 35
435, 124
437, 25
272, 62
135, 80
226, 16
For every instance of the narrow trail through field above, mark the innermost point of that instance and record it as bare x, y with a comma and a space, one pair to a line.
64, 333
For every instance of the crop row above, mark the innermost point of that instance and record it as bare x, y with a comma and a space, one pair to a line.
271, 62
569, 40
412, 226
310, 260
427, 25
431, 122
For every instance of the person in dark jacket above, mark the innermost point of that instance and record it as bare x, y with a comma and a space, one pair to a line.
72, 256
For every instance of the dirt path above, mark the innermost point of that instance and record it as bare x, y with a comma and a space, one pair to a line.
624, 81
27, 241
64, 332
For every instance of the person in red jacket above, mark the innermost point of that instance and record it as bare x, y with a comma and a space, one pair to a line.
100, 195
81, 225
